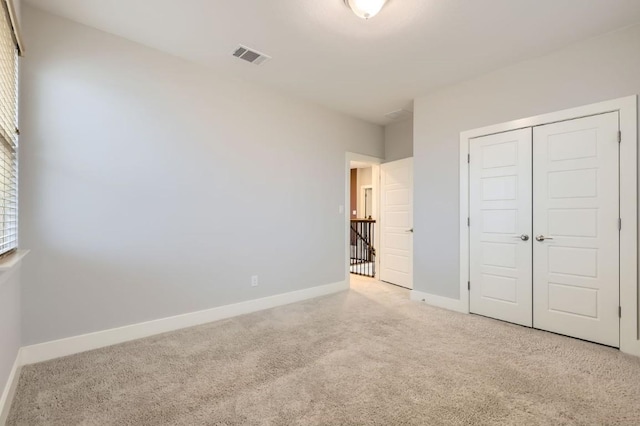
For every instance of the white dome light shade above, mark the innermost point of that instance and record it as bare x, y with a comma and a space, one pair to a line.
365, 9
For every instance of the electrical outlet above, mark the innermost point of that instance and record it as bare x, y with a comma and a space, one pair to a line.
254, 281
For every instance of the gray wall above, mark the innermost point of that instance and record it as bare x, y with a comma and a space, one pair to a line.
599, 69
398, 140
10, 334
151, 187
10, 310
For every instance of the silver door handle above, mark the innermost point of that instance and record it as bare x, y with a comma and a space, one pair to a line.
523, 237
542, 238
409, 230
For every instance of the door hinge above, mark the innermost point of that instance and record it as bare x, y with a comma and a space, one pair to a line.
619, 136
468, 158
469, 285
619, 311
468, 221
619, 224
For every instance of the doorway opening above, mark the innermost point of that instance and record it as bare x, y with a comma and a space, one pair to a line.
378, 213
363, 219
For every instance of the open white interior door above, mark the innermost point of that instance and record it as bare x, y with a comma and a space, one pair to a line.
396, 222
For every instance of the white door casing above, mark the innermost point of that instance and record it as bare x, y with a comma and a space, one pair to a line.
576, 210
396, 222
500, 226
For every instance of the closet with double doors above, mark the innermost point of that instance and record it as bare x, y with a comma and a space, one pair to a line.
544, 220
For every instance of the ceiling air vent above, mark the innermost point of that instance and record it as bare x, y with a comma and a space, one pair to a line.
251, 55
400, 114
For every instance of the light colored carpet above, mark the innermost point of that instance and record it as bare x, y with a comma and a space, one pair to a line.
367, 356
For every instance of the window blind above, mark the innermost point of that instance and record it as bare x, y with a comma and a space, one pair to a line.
8, 134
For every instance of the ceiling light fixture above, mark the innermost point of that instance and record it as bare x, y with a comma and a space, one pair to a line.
365, 9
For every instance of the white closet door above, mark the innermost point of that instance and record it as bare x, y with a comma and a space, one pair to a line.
396, 223
576, 249
500, 226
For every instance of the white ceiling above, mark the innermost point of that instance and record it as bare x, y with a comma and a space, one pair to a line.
323, 52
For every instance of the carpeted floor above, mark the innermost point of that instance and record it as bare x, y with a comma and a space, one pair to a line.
367, 356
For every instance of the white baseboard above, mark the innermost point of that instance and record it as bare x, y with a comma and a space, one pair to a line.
439, 301
85, 342
10, 390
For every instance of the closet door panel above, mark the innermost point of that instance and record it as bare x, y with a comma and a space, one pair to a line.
575, 221
500, 226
